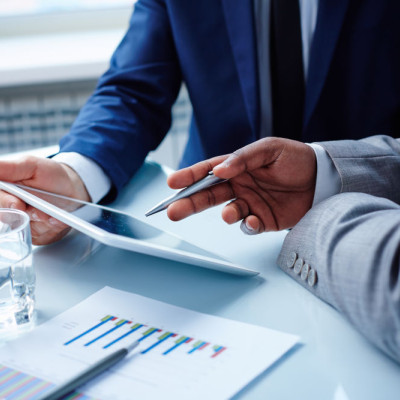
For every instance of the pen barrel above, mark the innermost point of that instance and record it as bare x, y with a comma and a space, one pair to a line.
85, 376
208, 181
205, 183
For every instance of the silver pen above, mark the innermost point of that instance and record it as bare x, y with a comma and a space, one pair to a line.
91, 372
204, 183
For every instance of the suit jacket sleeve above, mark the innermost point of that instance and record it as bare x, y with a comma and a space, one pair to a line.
351, 242
370, 165
130, 111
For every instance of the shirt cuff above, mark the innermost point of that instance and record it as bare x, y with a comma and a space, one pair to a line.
328, 179
97, 183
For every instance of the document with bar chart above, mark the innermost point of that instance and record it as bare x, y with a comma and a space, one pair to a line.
182, 354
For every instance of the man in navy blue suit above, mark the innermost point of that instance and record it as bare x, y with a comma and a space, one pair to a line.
303, 69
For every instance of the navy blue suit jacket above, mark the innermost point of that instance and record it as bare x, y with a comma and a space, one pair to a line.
353, 85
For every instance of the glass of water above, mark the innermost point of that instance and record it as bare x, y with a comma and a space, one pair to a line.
17, 275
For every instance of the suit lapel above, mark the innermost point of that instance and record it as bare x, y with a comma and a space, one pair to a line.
330, 19
240, 25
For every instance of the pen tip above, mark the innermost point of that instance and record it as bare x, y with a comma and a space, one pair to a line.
132, 346
156, 209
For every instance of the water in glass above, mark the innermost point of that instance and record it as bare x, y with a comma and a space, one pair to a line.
17, 276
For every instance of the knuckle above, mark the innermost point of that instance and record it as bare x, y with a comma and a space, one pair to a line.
211, 200
242, 208
193, 205
28, 159
239, 158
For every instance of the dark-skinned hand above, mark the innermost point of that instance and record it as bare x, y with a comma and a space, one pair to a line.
271, 185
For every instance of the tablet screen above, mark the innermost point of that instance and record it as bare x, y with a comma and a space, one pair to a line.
118, 223
119, 229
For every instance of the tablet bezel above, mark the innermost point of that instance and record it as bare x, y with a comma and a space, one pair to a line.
115, 240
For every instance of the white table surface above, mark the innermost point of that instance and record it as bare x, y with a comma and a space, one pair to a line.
334, 361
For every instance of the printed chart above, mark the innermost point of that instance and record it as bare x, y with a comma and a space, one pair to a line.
19, 386
182, 353
110, 324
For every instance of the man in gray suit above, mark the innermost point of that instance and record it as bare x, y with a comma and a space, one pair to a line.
346, 249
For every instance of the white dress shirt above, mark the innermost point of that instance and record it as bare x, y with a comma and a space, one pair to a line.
328, 181
96, 181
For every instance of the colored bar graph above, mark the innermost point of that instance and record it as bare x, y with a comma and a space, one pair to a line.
41, 388
217, 350
161, 339
103, 321
3, 371
9, 377
178, 342
199, 345
16, 385
134, 328
118, 325
148, 333
23, 387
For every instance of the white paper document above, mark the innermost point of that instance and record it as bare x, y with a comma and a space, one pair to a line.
182, 354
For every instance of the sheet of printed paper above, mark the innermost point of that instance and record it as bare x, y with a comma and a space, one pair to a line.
182, 354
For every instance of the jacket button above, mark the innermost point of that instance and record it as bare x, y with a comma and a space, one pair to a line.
304, 272
298, 265
312, 277
291, 259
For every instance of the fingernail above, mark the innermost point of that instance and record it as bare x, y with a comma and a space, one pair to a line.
54, 222
247, 229
35, 217
225, 164
13, 206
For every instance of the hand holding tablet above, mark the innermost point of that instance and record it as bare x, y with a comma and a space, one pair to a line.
118, 229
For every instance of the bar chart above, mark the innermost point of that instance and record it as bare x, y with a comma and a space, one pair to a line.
16, 385
110, 325
182, 354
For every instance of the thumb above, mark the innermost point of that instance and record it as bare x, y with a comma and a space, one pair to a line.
255, 155
17, 170
9, 201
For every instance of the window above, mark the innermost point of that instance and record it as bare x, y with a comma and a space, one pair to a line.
37, 17
26, 7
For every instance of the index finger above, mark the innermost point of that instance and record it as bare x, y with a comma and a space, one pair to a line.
190, 175
258, 154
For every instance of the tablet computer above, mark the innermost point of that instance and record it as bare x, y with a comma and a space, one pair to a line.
119, 229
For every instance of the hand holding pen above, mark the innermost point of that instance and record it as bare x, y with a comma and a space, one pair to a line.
209, 180
270, 184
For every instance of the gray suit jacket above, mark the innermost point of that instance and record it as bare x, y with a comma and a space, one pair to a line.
346, 250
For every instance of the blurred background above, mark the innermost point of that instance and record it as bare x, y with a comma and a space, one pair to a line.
51, 54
